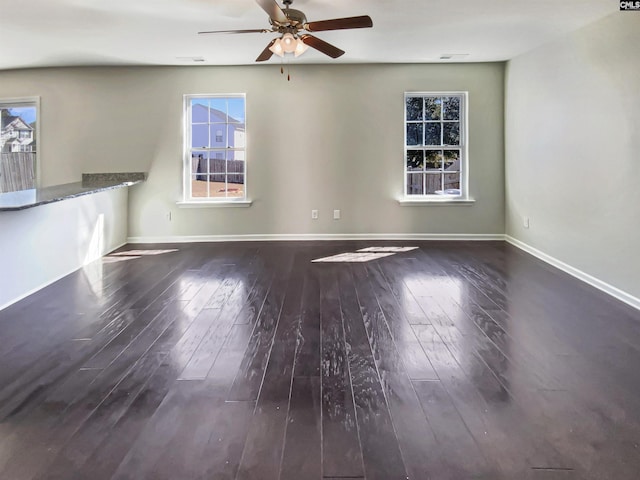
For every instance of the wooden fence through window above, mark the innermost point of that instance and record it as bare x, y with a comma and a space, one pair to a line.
17, 171
234, 170
433, 182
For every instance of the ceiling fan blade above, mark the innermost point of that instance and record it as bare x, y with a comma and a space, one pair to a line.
321, 45
266, 53
255, 30
273, 10
363, 21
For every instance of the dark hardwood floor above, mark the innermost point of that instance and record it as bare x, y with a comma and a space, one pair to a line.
452, 361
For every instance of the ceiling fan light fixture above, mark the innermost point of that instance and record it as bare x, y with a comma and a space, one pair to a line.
277, 48
301, 47
288, 42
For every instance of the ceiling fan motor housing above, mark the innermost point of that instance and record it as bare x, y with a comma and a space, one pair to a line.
296, 19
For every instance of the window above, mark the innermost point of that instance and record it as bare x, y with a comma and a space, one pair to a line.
435, 145
18, 152
215, 167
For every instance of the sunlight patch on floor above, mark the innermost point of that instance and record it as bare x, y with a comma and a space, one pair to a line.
388, 249
352, 257
364, 254
141, 253
111, 259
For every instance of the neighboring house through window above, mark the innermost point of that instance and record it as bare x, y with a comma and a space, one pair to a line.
215, 163
435, 145
18, 136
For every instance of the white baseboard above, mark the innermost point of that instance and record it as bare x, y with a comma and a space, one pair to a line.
314, 237
579, 274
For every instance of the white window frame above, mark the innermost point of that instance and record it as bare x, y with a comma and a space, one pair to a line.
29, 102
463, 197
187, 199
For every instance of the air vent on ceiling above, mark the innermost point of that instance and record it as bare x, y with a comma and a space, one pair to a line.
190, 59
453, 56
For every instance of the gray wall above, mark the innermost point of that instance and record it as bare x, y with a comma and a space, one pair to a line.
329, 139
573, 150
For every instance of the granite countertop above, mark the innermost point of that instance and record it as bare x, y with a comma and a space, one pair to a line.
91, 183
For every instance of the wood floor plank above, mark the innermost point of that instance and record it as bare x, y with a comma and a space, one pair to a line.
417, 442
262, 455
249, 378
307, 362
380, 450
230, 300
341, 450
462, 453
302, 455
184, 432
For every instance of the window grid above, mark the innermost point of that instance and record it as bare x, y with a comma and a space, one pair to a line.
446, 110
215, 136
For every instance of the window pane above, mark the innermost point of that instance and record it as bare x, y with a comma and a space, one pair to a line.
432, 134
235, 155
199, 110
414, 133
451, 108
452, 183
218, 134
452, 159
200, 136
199, 187
217, 166
434, 183
218, 110
414, 108
235, 167
200, 165
451, 134
432, 108
235, 185
415, 184
236, 135
195, 163
433, 160
236, 110
415, 160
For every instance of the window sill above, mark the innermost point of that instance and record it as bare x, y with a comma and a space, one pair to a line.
437, 202
215, 204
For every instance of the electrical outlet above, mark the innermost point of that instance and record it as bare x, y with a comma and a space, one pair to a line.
336, 214
314, 214
525, 222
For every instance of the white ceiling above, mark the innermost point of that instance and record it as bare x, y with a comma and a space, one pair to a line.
39, 33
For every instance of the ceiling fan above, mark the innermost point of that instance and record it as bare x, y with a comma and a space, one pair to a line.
292, 26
